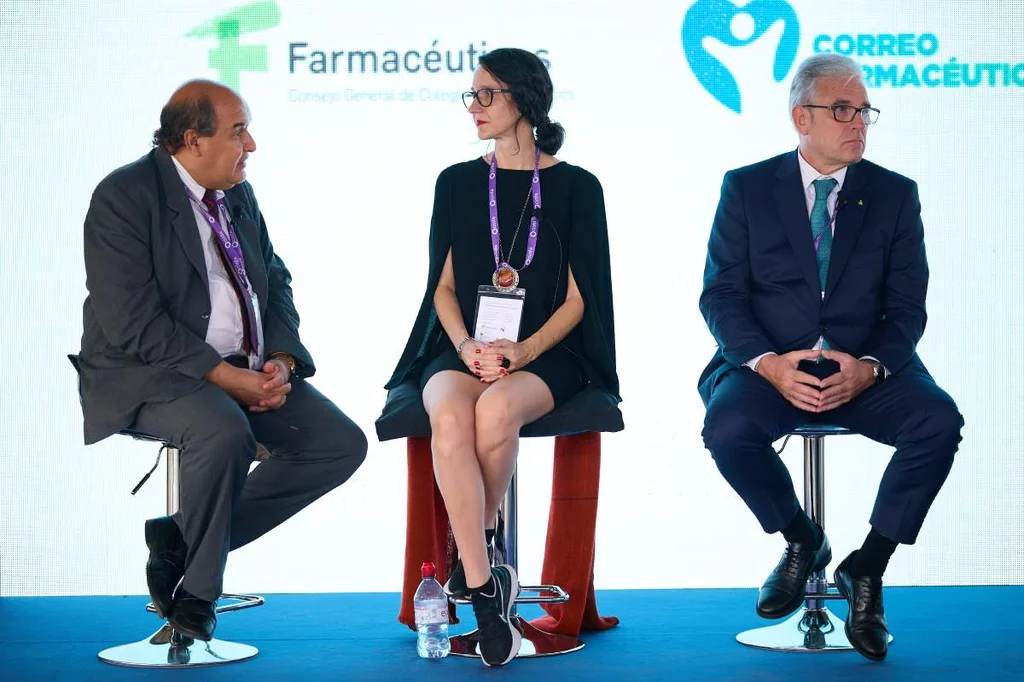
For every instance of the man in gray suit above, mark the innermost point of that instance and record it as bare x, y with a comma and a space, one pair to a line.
191, 336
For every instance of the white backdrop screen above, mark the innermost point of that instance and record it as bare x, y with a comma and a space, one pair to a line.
356, 109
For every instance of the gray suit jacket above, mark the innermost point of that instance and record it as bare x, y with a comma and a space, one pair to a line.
148, 307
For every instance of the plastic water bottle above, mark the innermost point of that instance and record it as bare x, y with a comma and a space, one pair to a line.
431, 605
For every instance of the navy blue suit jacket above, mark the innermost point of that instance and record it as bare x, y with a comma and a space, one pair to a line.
761, 287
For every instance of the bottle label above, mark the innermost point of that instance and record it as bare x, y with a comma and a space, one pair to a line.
428, 614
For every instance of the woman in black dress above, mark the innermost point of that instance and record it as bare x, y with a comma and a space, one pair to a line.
551, 241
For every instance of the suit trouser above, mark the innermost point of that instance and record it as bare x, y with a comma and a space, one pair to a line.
313, 449
909, 411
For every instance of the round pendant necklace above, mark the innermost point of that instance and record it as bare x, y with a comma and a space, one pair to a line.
505, 276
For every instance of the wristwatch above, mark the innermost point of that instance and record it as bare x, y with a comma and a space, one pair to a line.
878, 369
287, 359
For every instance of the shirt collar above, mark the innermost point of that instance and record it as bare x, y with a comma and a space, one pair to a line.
194, 188
808, 174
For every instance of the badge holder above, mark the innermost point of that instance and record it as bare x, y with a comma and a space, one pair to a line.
499, 314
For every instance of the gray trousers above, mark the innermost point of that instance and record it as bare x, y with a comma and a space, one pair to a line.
313, 448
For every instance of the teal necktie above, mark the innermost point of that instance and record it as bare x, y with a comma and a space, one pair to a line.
821, 231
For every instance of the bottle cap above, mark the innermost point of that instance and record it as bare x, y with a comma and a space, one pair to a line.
428, 570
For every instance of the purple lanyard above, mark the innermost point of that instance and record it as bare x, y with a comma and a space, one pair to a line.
228, 241
492, 195
227, 237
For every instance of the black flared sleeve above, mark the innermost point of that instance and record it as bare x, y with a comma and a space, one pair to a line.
591, 268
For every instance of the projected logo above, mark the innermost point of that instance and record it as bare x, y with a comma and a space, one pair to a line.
230, 58
735, 26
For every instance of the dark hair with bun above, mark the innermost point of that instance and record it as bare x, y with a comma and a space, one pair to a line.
528, 79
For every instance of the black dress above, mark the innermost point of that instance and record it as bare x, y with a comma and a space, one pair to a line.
573, 231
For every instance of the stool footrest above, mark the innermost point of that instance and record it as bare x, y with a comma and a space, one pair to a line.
557, 595
241, 601
830, 593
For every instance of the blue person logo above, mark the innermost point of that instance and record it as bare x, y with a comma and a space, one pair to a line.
714, 19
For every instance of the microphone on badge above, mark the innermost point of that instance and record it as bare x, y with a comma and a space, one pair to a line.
538, 213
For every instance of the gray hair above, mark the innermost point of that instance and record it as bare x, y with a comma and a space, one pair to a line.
819, 67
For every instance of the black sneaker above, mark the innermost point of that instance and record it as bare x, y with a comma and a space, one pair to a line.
456, 587
497, 634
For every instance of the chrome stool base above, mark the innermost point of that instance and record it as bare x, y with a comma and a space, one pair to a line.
169, 649
536, 643
812, 629
807, 630
239, 602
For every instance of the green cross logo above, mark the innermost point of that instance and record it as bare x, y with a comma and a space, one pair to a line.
230, 58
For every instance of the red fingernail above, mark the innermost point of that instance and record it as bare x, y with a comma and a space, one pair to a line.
500, 357
477, 350
503, 371
476, 362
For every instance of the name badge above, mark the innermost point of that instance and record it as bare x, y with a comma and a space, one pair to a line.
499, 314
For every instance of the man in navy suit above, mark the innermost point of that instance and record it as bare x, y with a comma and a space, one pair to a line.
814, 289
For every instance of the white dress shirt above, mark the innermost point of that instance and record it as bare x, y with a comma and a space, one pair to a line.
808, 175
226, 327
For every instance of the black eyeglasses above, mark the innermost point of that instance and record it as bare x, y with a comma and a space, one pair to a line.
484, 95
845, 113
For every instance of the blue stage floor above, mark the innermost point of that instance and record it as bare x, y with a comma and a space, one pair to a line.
949, 633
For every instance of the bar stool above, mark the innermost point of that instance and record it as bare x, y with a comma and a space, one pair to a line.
591, 410
167, 648
812, 629
536, 642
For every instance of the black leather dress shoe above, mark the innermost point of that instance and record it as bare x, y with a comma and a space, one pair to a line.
192, 616
784, 590
865, 621
166, 562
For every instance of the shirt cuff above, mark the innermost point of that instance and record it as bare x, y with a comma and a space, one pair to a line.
752, 364
885, 372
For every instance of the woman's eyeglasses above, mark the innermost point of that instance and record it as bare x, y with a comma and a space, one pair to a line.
484, 95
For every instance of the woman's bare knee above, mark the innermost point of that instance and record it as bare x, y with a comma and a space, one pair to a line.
452, 429
496, 421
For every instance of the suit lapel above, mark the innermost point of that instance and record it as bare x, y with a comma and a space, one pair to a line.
183, 220
247, 232
792, 206
850, 211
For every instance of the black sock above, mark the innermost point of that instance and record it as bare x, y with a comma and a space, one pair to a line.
873, 556
488, 536
801, 529
485, 590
